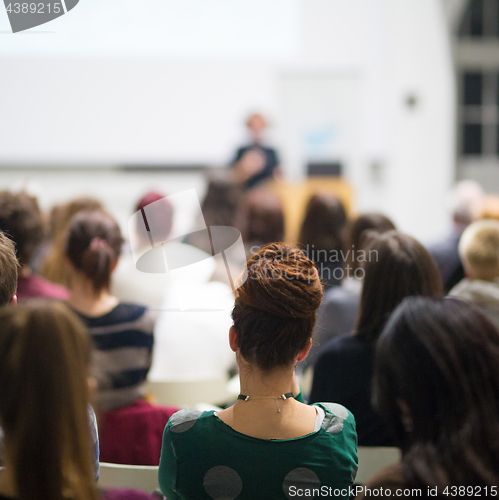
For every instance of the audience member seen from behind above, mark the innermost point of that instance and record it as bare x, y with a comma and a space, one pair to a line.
130, 427
122, 333
219, 208
269, 443
256, 162
260, 219
8, 285
321, 236
9, 266
128, 283
53, 265
398, 266
479, 251
358, 231
340, 308
21, 220
463, 202
149, 289
194, 343
436, 383
44, 353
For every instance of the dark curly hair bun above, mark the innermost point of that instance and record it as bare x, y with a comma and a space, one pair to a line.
276, 306
282, 281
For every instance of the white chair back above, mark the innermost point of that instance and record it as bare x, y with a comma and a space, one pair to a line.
305, 380
373, 459
137, 477
188, 392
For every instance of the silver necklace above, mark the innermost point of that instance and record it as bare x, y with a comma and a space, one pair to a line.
277, 398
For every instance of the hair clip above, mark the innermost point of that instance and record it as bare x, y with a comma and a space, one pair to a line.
98, 242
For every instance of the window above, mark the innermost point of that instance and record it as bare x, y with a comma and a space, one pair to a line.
481, 19
476, 56
480, 113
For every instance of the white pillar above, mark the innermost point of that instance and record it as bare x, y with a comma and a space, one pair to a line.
421, 161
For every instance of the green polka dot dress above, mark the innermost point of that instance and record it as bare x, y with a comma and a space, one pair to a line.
204, 458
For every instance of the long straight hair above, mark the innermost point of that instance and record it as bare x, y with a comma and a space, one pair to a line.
323, 225
398, 266
357, 234
44, 355
441, 358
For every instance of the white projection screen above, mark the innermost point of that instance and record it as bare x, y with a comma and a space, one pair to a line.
141, 81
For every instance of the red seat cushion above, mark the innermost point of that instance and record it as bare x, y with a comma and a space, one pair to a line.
133, 435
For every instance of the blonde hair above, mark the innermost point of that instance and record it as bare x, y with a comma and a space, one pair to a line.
489, 208
479, 249
54, 266
9, 268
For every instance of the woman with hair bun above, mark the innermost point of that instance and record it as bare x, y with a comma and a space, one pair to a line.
122, 333
269, 444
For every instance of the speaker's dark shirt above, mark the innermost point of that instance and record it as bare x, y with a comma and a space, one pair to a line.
268, 170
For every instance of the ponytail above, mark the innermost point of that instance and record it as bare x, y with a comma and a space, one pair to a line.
96, 263
93, 245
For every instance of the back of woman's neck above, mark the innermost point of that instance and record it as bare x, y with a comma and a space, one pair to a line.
89, 303
263, 415
271, 384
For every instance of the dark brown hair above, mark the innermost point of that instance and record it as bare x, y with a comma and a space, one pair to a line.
8, 269
221, 200
93, 245
323, 224
21, 220
261, 218
53, 266
441, 358
275, 308
358, 230
62, 214
44, 355
397, 266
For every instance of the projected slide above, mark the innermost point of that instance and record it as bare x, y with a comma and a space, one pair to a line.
151, 28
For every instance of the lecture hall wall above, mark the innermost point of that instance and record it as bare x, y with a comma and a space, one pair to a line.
96, 104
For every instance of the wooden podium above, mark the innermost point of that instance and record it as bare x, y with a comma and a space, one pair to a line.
295, 196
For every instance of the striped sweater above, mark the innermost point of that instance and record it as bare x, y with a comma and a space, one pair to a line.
123, 341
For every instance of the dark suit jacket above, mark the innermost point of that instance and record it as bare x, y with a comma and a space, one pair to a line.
343, 374
336, 316
446, 256
271, 163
